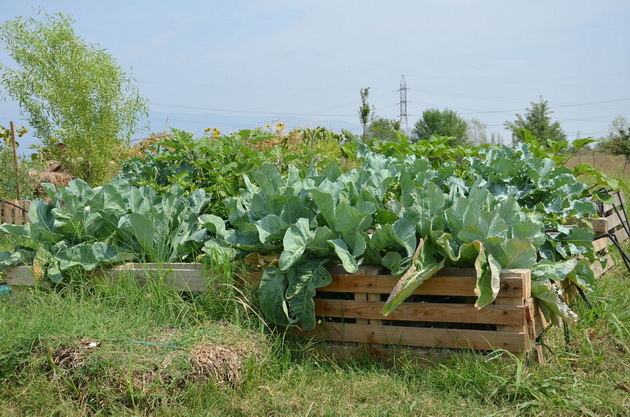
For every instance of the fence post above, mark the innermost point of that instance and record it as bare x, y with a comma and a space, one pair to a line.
15, 159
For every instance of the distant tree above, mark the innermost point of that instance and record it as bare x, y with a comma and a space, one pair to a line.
617, 142
477, 132
442, 123
538, 123
383, 128
71, 92
366, 112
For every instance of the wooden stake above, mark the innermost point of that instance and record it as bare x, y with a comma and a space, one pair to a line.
15, 159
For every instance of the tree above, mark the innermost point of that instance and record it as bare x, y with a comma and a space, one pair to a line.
618, 140
72, 93
442, 123
366, 112
538, 123
477, 132
383, 128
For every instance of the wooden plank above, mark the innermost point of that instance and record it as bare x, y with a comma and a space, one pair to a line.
7, 213
599, 225
540, 323
448, 286
597, 268
622, 235
458, 282
613, 221
423, 312
376, 298
26, 204
601, 244
608, 208
520, 327
360, 297
420, 337
17, 215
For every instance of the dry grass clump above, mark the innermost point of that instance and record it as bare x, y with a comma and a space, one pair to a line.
68, 357
220, 363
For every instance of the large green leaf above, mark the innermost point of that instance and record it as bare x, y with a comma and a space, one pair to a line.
143, 230
347, 260
295, 240
582, 275
512, 253
20, 256
423, 267
533, 233
90, 256
41, 216
460, 215
488, 225
350, 223
551, 305
326, 205
304, 280
214, 224
271, 228
273, 303
545, 270
488, 277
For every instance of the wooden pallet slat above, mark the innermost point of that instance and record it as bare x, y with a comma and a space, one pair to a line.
597, 268
608, 209
416, 336
446, 286
612, 222
421, 312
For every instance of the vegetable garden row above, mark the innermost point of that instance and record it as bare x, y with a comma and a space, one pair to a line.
387, 243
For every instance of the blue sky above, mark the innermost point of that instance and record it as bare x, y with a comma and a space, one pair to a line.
239, 64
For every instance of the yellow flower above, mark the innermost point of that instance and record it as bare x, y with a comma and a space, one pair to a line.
207, 129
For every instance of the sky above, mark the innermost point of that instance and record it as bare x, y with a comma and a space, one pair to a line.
242, 64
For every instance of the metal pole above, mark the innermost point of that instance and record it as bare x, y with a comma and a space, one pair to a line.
15, 159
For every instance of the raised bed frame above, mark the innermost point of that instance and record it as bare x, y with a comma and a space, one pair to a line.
182, 277
439, 315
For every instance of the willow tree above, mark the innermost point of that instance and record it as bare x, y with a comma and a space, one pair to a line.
75, 96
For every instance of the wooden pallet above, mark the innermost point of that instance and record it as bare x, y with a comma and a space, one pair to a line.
439, 314
13, 215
